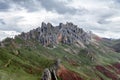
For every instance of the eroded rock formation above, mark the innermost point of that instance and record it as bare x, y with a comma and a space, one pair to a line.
49, 35
59, 71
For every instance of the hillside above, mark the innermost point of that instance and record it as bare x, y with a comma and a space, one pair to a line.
82, 55
112, 43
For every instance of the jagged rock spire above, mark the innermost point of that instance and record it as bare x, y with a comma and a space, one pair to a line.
49, 35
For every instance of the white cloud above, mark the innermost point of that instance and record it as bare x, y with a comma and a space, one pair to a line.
25, 21
100, 16
109, 34
115, 19
4, 34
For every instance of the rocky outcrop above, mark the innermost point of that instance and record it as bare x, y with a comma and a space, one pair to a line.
46, 75
59, 71
51, 73
49, 35
2, 44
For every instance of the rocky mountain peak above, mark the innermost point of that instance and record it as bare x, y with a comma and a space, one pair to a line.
43, 24
49, 35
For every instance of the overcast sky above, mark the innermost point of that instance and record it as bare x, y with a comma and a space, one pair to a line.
102, 17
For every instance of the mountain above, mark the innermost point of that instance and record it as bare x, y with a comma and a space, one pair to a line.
49, 35
116, 47
112, 43
63, 52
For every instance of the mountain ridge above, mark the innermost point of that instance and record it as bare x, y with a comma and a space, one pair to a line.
83, 55
48, 34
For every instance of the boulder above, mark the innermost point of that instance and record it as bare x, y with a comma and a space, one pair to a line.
46, 75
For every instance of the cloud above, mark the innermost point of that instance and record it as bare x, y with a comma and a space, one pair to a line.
9, 24
29, 5
108, 34
4, 34
100, 16
4, 6
117, 1
59, 6
2, 22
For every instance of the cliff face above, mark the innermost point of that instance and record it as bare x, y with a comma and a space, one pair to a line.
49, 35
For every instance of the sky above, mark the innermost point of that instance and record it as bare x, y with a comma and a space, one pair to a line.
102, 17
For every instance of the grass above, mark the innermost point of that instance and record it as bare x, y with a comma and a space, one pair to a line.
33, 59
12, 73
28, 65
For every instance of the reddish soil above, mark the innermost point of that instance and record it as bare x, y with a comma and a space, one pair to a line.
117, 65
114, 68
97, 38
107, 73
65, 74
59, 38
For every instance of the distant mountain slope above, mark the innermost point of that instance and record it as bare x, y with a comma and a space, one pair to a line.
112, 43
83, 55
116, 47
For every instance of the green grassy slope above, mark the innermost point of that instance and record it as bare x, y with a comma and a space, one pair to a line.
26, 60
